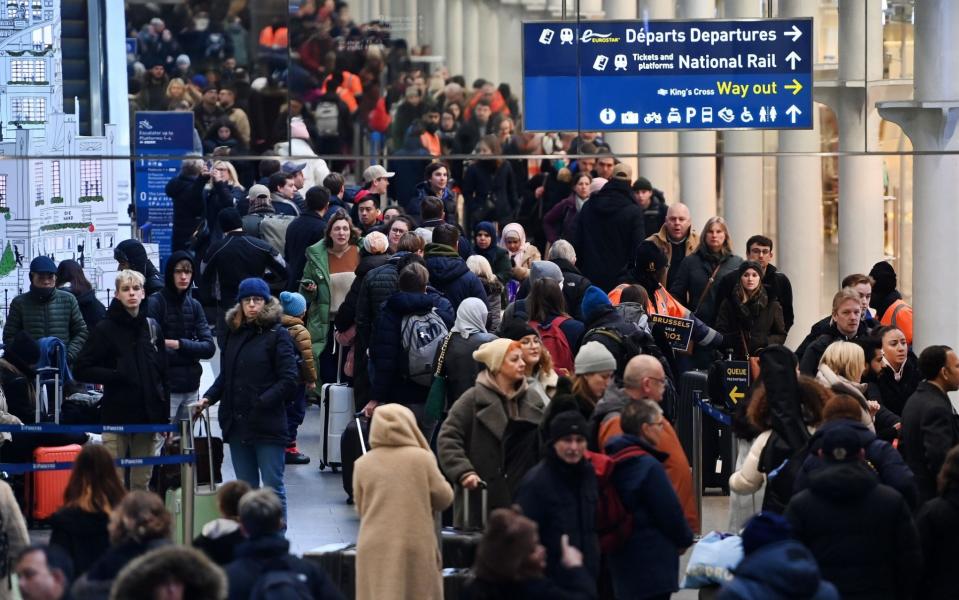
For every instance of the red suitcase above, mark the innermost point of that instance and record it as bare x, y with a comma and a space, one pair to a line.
45, 488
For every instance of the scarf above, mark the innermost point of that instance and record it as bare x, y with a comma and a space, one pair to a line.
470, 317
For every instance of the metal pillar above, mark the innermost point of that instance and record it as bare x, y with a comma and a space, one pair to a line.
799, 206
930, 122
742, 193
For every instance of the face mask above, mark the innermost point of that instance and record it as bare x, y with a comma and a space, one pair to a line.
431, 127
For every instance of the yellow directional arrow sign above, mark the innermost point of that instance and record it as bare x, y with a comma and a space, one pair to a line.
795, 86
735, 395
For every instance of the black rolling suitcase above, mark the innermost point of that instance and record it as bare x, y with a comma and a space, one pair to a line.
353, 444
458, 546
691, 383
338, 561
718, 461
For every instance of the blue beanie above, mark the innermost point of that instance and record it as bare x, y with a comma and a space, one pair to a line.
294, 304
593, 298
253, 286
765, 528
43, 264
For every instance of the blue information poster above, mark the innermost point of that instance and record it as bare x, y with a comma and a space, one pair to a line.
160, 134
668, 75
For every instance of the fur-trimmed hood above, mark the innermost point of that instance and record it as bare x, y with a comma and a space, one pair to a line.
270, 315
200, 577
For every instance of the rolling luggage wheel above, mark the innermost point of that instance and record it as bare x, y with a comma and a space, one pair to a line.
322, 466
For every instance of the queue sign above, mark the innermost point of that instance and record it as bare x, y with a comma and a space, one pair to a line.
735, 380
663, 75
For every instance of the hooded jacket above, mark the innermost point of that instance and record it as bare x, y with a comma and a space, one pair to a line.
473, 438
648, 563
233, 259
861, 533
253, 557
257, 378
127, 355
880, 455
133, 253
182, 319
396, 555
450, 275
783, 570
423, 190
188, 208
387, 356
562, 499
609, 228
200, 577
42, 315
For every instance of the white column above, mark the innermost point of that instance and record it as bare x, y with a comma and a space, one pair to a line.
511, 54
799, 208
411, 12
376, 10
697, 174
742, 175
471, 41
929, 121
662, 171
436, 33
861, 206
623, 143
454, 36
490, 46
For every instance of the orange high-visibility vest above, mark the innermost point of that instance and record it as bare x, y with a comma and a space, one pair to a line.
899, 315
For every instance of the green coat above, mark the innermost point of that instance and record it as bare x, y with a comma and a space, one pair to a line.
58, 317
317, 270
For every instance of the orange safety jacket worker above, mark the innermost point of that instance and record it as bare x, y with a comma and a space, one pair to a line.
899, 315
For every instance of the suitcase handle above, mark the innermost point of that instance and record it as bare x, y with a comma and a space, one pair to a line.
359, 431
205, 419
46, 375
483, 506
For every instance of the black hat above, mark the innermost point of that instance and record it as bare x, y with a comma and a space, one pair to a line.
841, 444
23, 352
642, 183
229, 219
568, 422
516, 329
750, 264
649, 258
885, 278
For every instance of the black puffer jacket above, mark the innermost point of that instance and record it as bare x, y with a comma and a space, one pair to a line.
752, 325
562, 499
378, 285
887, 462
459, 365
188, 207
233, 259
126, 354
623, 340
182, 319
893, 394
938, 524
91, 308
346, 315
257, 378
861, 533
609, 228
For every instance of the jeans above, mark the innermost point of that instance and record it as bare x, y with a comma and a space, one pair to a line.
295, 413
134, 445
178, 399
253, 462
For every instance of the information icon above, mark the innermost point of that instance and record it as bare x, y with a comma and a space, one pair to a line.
607, 116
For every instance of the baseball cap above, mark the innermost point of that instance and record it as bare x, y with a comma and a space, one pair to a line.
290, 167
623, 171
375, 172
258, 191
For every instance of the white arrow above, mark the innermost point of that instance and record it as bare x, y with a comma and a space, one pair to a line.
793, 112
792, 58
795, 34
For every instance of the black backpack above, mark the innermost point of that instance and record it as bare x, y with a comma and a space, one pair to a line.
278, 581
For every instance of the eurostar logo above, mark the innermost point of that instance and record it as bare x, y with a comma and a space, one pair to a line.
589, 35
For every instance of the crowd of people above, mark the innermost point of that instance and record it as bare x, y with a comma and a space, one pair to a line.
526, 287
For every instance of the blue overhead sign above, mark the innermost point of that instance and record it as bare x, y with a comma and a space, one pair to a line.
658, 75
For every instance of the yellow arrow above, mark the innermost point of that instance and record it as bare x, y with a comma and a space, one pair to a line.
735, 395
795, 86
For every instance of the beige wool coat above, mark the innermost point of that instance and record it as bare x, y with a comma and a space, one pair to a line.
397, 486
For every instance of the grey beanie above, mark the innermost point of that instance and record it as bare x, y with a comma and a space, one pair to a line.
593, 357
540, 269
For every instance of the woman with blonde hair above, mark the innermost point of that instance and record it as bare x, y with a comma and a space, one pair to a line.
493, 288
699, 274
223, 191
840, 369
